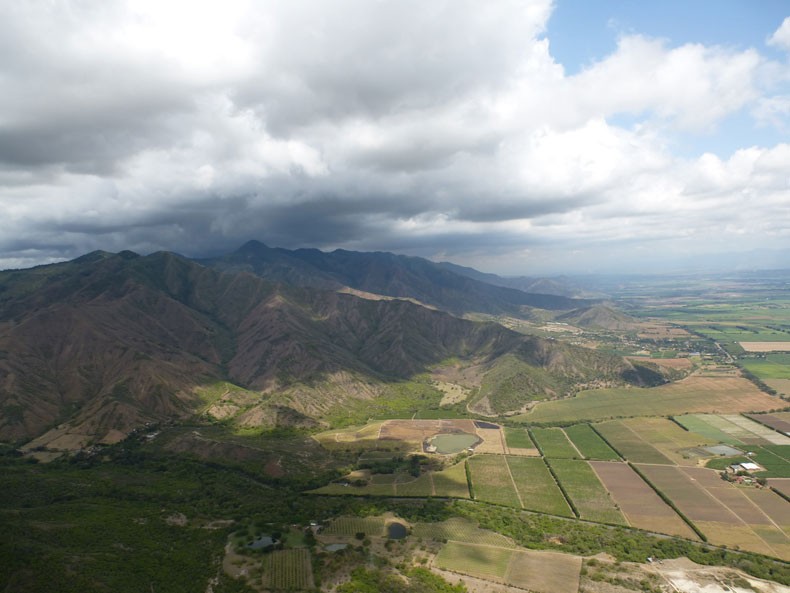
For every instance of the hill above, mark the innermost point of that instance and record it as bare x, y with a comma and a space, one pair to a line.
387, 274
599, 317
95, 347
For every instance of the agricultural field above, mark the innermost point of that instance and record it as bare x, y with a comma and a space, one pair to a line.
518, 442
700, 424
678, 445
630, 444
642, 507
553, 443
584, 488
491, 481
451, 482
774, 421
543, 572
739, 430
767, 346
536, 486
350, 526
518, 438
589, 443
290, 570
484, 561
773, 366
725, 513
694, 394
461, 530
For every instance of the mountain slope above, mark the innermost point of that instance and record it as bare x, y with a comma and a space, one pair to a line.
104, 343
560, 286
386, 274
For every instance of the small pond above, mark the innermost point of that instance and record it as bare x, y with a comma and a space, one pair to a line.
397, 531
481, 424
336, 547
454, 443
263, 541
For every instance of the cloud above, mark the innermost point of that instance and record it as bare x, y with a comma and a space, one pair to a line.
781, 37
432, 128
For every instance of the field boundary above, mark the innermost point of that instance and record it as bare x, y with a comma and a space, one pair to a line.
572, 506
669, 502
605, 440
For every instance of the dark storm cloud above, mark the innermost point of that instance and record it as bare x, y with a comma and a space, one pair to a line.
429, 128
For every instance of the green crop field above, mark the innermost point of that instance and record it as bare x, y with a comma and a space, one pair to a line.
421, 486
629, 444
553, 443
290, 570
491, 480
451, 482
473, 559
518, 438
699, 423
536, 486
586, 491
773, 366
460, 530
350, 526
589, 443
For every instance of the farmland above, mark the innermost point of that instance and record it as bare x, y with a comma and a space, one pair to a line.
639, 503
691, 395
491, 480
724, 512
553, 443
461, 530
518, 438
536, 486
630, 444
544, 572
290, 570
586, 491
350, 526
475, 560
678, 445
589, 444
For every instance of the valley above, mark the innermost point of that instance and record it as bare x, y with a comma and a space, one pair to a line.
268, 434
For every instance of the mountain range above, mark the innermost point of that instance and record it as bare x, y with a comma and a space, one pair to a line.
92, 348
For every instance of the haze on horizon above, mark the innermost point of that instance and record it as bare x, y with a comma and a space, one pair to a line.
518, 137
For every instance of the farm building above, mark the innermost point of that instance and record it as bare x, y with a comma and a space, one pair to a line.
744, 467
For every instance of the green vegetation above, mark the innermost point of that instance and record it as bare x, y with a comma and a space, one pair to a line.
589, 443
543, 532
586, 491
469, 558
536, 486
629, 444
552, 442
700, 424
773, 366
518, 438
491, 480
288, 570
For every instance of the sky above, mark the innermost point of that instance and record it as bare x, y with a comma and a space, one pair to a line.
519, 137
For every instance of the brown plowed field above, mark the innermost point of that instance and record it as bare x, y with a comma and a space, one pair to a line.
639, 503
772, 421
726, 513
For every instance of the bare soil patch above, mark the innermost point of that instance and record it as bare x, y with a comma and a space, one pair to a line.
765, 346
546, 572
639, 503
